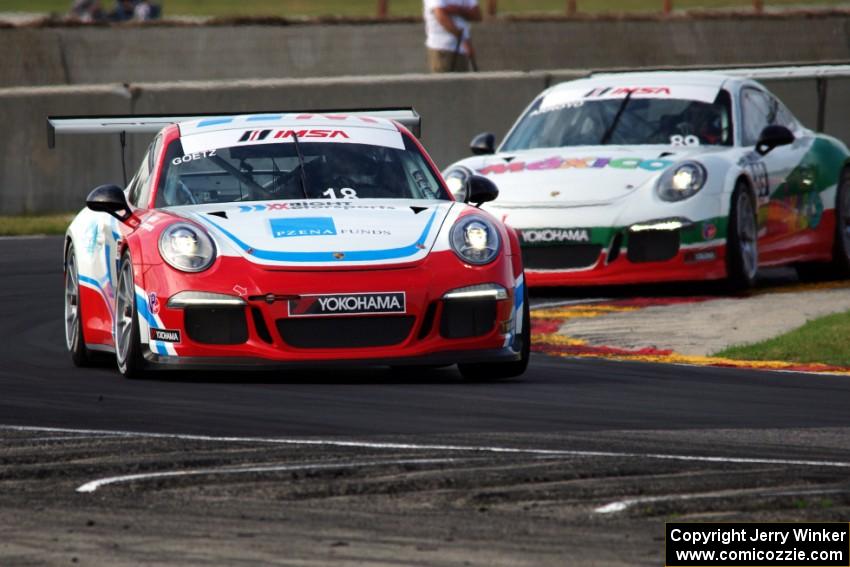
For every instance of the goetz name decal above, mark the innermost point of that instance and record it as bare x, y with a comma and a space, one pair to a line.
348, 304
312, 226
541, 236
576, 163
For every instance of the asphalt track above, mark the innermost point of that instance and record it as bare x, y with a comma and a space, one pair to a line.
602, 420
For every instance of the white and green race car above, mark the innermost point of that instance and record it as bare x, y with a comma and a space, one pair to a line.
665, 176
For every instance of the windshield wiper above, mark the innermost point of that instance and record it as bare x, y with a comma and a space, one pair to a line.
610, 131
301, 165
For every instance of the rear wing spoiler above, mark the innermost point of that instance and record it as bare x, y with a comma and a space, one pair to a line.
151, 124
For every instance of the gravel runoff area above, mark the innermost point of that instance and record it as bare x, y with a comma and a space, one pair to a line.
706, 327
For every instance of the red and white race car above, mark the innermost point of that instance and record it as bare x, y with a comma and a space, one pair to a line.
288, 239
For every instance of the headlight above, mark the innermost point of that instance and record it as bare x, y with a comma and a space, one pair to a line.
681, 181
475, 240
186, 247
456, 179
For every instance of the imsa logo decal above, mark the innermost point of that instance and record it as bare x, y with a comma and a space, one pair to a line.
165, 335
348, 304
543, 236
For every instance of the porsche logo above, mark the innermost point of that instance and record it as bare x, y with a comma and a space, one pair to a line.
554, 193
339, 255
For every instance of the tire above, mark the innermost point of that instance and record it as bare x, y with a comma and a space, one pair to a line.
74, 340
128, 346
742, 240
487, 371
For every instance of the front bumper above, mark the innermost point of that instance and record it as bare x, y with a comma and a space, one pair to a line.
636, 254
266, 332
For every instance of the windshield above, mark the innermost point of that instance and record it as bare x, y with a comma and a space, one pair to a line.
273, 171
635, 121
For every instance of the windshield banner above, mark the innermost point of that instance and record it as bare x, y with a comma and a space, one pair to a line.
347, 134
571, 97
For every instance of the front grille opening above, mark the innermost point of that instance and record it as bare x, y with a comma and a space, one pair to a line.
344, 332
216, 326
567, 257
464, 319
653, 245
427, 321
260, 325
616, 245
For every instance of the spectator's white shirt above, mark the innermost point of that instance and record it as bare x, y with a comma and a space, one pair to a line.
436, 35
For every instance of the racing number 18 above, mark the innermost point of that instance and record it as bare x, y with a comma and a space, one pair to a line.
345, 193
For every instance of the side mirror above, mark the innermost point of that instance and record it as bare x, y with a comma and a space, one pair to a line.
480, 190
483, 144
109, 199
772, 137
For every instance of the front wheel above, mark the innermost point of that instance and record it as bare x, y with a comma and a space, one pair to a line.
503, 370
742, 257
128, 347
74, 339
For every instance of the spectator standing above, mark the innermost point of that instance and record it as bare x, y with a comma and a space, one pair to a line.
87, 11
447, 31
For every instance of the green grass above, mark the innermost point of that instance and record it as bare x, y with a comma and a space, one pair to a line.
825, 340
25, 225
294, 8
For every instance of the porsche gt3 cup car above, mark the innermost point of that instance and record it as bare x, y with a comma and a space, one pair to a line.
291, 239
647, 177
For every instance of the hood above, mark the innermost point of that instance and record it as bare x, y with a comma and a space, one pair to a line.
361, 232
575, 177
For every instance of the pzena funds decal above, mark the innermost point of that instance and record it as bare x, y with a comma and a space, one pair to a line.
348, 304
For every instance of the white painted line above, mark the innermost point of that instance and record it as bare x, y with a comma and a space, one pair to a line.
95, 484
444, 448
623, 505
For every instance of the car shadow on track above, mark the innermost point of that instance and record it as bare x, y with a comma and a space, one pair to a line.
377, 376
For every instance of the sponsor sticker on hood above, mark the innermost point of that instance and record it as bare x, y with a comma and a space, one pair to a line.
304, 226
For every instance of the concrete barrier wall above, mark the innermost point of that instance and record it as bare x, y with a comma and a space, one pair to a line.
122, 54
34, 179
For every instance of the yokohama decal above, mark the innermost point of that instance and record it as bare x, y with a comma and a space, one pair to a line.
165, 335
347, 304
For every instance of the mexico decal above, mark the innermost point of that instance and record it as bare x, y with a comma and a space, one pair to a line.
556, 162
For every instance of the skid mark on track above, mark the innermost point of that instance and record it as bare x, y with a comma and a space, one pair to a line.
96, 484
627, 503
527, 453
